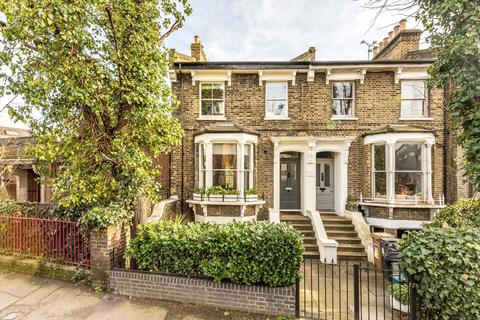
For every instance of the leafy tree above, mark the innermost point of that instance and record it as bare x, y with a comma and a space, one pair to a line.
454, 34
95, 72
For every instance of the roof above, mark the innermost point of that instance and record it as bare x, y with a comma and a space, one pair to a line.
225, 127
389, 128
243, 65
419, 55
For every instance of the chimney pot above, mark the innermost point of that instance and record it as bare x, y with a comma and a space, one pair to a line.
375, 51
385, 41
396, 29
380, 45
390, 36
403, 24
196, 39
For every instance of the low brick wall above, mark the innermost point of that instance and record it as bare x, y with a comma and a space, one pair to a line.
254, 299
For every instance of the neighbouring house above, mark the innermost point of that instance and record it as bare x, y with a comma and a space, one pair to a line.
301, 140
18, 179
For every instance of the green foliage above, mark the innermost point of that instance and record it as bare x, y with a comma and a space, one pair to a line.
39, 210
445, 267
251, 192
454, 31
96, 72
464, 213
400, 292
11, 207
241, 252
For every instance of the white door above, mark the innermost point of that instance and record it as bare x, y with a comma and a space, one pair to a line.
324, 184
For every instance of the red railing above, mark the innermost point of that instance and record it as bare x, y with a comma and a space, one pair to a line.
53, 239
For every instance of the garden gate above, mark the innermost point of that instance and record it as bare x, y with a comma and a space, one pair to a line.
353, 291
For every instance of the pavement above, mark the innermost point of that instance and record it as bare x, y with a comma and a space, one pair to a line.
33, 298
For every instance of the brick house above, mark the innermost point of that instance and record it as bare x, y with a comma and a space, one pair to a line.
309, 135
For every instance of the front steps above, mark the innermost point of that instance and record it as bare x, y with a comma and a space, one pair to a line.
343, 231
303, 225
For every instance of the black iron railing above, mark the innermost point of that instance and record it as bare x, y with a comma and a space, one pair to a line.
352, 291
227, 197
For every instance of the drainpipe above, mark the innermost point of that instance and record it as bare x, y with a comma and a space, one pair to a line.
182, 201
446, 144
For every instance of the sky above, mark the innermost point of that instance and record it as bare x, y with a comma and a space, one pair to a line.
268, 30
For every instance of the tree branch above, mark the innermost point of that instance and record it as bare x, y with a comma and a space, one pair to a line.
177, 25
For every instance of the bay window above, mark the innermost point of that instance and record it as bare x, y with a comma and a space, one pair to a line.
226, 160
401, 166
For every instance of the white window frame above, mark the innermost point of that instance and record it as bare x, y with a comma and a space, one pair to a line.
374, 191
422, 170
425, 101
269, 116
250, 171
207, 116
353, 98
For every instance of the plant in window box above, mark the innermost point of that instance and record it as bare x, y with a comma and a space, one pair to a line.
231, 195
218, 193
352, 203
200, 194
399, 296
251, 195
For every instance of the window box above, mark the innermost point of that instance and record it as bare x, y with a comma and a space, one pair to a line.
251, 198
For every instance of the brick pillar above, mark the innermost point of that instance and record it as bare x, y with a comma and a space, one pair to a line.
107, 247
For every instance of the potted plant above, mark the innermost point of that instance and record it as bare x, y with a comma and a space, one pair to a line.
215, 193
231, 195
399, 296
251, 195
199, 194
352, 203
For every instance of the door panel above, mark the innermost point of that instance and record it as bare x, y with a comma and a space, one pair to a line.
290, 183
324, 184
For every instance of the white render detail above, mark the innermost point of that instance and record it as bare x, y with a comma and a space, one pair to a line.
276, 75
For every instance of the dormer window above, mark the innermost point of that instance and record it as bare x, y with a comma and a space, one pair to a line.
212, 100
276, 100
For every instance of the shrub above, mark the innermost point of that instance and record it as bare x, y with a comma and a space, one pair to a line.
400, 292
12, 207
240, 252
445, 267
463, 213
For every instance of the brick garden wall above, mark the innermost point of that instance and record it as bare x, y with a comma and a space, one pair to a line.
254, 299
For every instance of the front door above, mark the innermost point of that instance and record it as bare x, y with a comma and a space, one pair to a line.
290, 181
324, 184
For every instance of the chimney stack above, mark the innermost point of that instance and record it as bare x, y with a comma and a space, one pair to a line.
399, 43
197, 51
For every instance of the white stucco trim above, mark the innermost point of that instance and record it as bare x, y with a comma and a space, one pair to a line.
211, 76
308, 147
396, 224
276, 76
222, 219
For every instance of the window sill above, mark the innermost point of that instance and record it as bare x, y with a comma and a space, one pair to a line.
416, 119
276, 118
206, 118
348, 118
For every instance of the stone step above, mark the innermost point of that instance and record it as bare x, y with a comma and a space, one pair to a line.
293, 217
347, 240
311, 255
343, 247
310, 247
335, 218
348, 255
339, 227
307, 233
309, 240
302, 226
341, 233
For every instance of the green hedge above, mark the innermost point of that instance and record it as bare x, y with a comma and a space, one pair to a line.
464, 213
445, 266
240, 252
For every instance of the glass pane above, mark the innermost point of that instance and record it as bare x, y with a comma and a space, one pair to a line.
413, 108
206, 107
206, 90
327, 175
217, 107
408, 157
318, 175
246, 179
292, 175
246, 157
277, 107
226, 179
283, 172
379, 156
224, 156
343, 90
408, 185
276, 91
342, 107
217, 91
413, 89
380, 184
